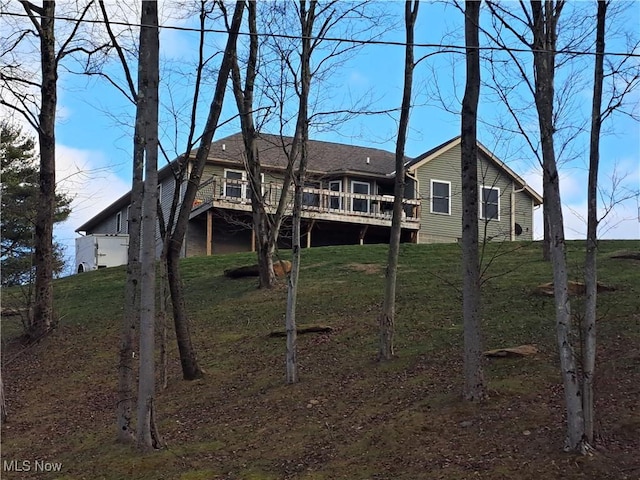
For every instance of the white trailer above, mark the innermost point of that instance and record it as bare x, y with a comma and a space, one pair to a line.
101, 251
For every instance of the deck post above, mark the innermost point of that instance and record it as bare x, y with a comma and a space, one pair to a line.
363, 232
209, 231
311, 224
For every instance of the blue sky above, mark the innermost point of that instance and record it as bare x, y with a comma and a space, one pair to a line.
94, 127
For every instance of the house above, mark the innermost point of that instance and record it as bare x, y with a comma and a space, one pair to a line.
348, 197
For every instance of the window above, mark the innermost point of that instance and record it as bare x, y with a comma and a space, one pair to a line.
311, 199
118, 222
360, 204
234, 185
490, 203
440, 197
335, 200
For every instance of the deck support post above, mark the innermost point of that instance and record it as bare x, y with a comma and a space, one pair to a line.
363, 232
311, 225
209, 231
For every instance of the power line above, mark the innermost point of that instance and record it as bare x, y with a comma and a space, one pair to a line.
355, 41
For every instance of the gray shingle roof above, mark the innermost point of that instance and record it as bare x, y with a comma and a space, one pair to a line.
324, 157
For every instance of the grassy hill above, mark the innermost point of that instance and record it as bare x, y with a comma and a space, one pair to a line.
349, 417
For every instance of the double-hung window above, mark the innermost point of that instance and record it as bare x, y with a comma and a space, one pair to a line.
360, 204
490, 203
335, 199
440, 197
234, 184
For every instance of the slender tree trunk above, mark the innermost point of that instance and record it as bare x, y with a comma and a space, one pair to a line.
265, 229
162, 325
590, 268
188, 360
148, 80
386, 319
474, 383
545, 18
3, 405
190, 367
307, 18
292, 290
43, 315
131, 315
564, 328
546, 238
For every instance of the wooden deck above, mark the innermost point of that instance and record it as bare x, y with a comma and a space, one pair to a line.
318, 204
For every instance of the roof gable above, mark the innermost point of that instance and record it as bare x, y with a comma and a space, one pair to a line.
486, 153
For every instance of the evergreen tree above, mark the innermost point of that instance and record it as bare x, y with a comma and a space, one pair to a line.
19, 170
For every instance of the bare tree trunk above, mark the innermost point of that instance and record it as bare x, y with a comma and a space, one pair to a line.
307, 18
386, 318
131, 315
262, 226
43, 19
148, 80
590, 268
188, 359
474, 383
545, 19
43, 316
131, 308
266, 229
292, 290
546, 238
3, 405
162, 325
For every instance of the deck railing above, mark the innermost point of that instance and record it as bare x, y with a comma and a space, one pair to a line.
236, 194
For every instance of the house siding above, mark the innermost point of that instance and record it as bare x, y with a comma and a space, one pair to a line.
524, 215
494, 229
109, 225
438, 227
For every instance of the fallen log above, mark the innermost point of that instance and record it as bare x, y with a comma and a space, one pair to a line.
520, 351
575, 288
280, 268
628, 255
303, 330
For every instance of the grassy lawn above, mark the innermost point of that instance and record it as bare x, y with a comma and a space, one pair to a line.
350, 417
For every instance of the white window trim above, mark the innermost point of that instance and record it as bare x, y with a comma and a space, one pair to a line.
358, 182
336, 193
432, 197
483, 187
243, 185
119, 222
